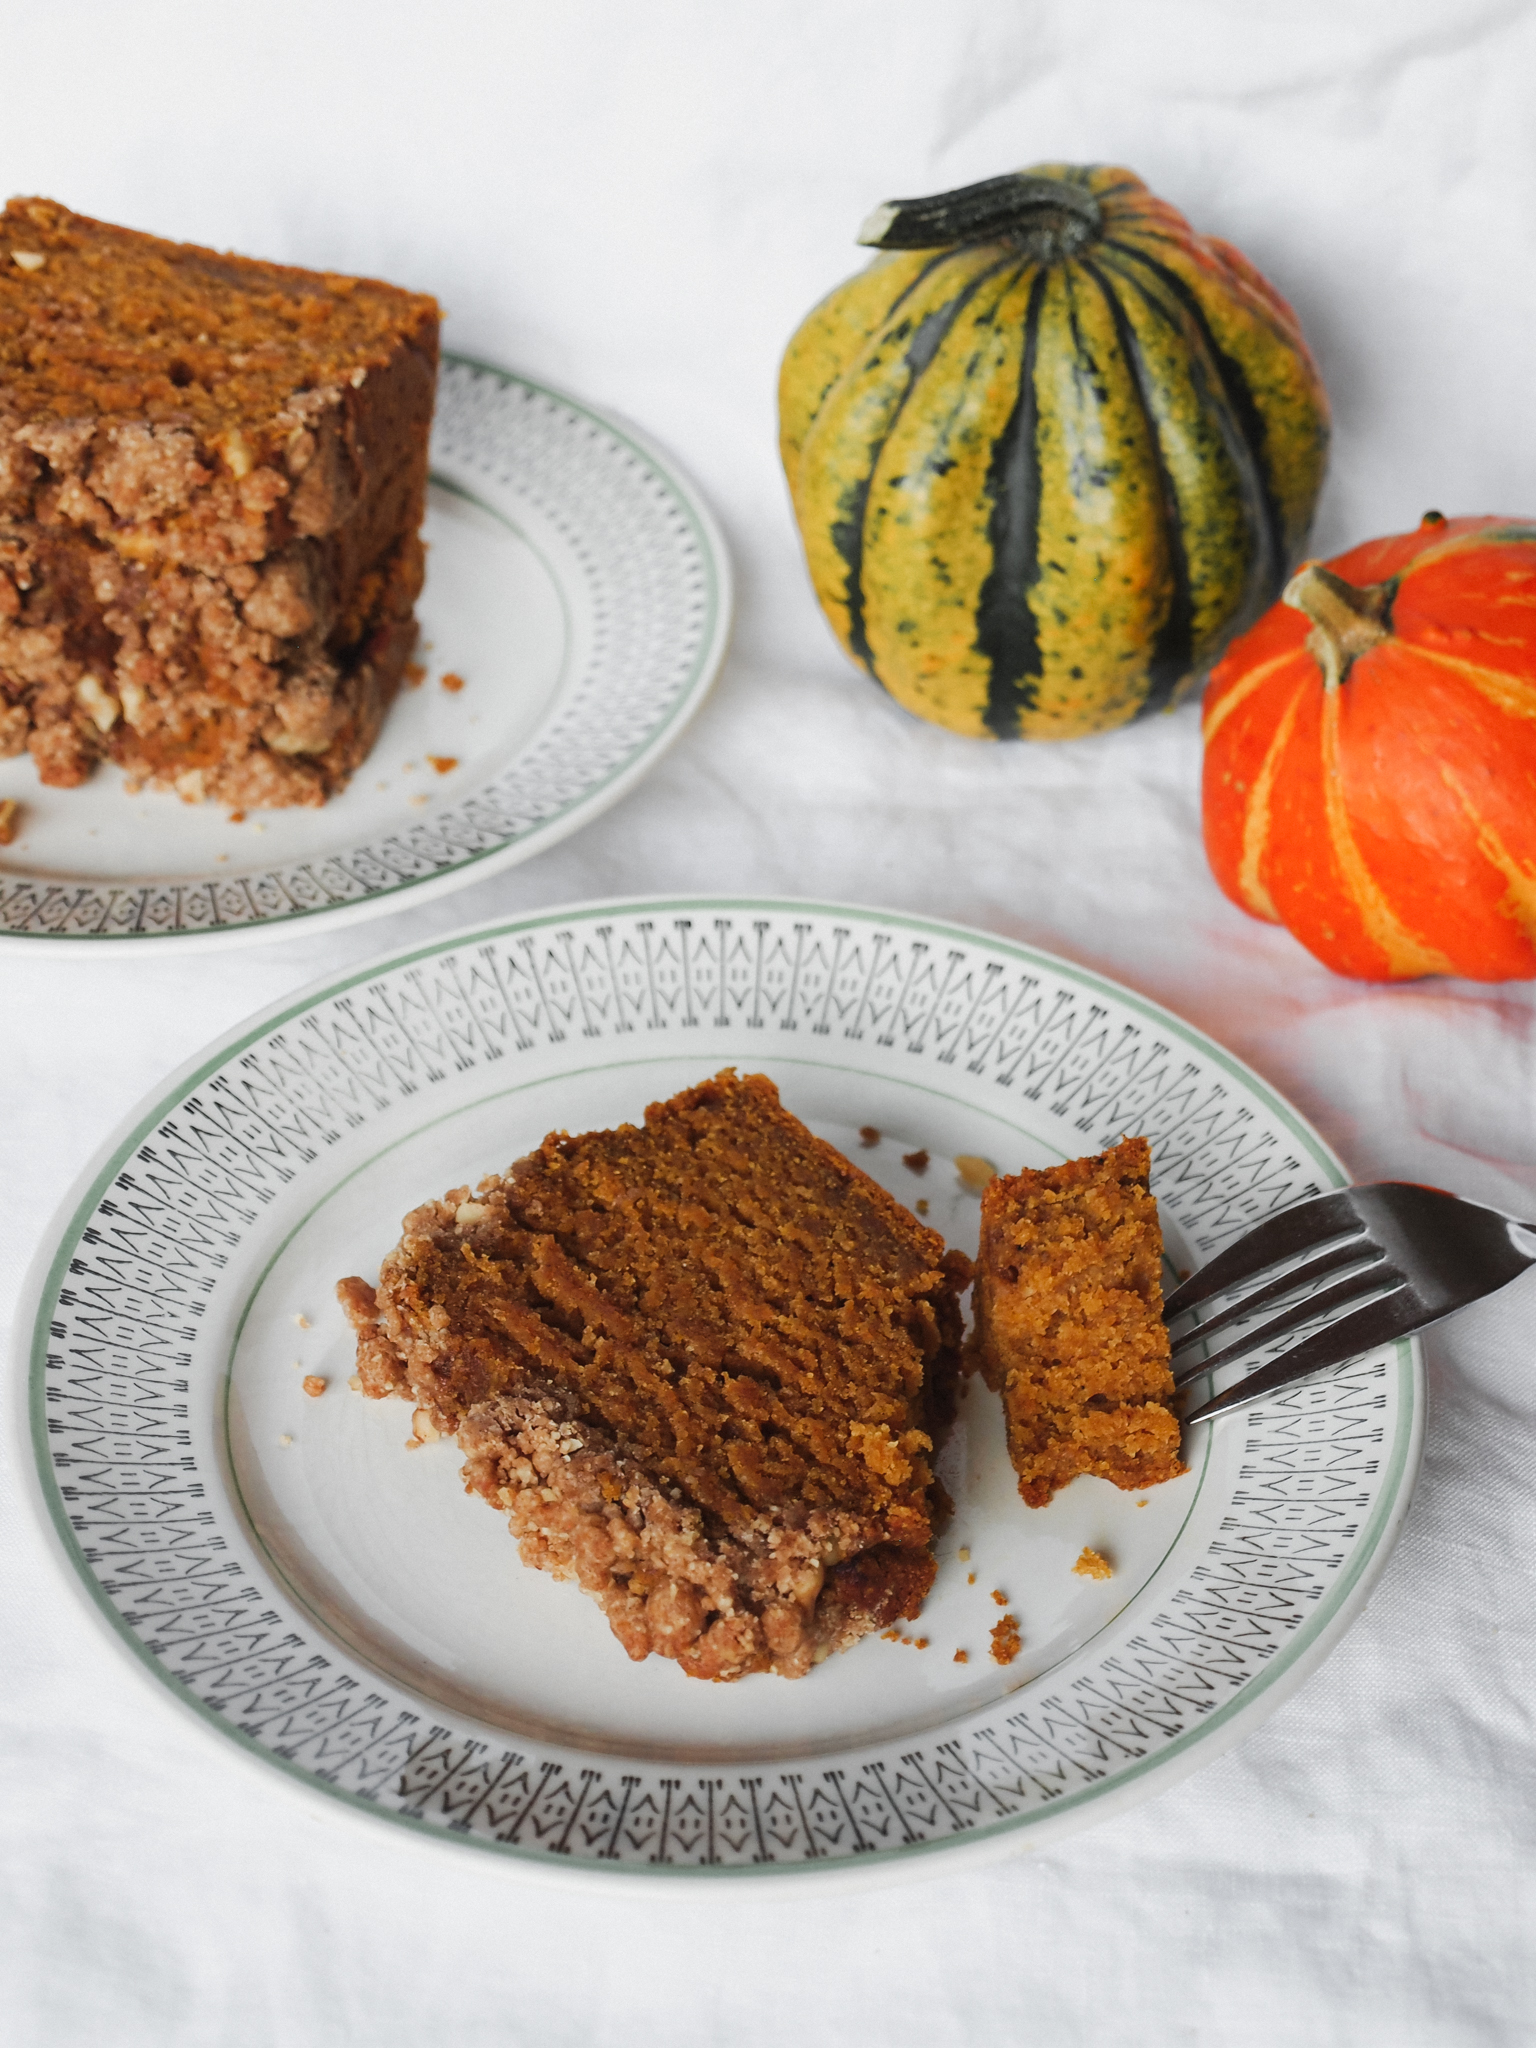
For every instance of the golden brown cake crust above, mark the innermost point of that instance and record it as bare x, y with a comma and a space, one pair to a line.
212, 479
1069, 1325
701, 1365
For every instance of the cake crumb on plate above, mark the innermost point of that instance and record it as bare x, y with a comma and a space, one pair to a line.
314, 1385
1006, 1641
1091, 1566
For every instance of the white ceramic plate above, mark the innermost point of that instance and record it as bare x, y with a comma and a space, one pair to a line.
343, 1611
579, 587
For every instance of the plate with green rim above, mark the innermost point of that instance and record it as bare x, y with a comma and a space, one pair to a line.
342, 1612
578, 597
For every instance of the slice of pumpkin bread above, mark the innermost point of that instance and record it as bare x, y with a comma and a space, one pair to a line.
212, 479
1069, 1322
700, 1365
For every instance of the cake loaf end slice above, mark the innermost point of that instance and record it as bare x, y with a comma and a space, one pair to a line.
1068, 1322
701, 1366
212, 479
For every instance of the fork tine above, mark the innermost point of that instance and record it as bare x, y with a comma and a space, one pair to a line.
1395, 1316
1309, 1226
1352, 1253
1329, 1302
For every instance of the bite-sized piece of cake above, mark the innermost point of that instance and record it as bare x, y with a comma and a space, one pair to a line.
1069, 1322
212, 479
700, 1365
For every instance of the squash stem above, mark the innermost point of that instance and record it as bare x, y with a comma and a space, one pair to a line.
1050, 219
1348, 620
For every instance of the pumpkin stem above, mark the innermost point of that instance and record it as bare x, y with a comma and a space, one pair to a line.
1046, 217
1348, 620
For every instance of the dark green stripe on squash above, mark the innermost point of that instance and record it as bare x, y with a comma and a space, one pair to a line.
1173, 651
848, 532
1245, 412
1006, 632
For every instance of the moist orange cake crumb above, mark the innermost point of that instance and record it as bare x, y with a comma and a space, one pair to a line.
1069, 1327
700, 1365
1090, 1565
212, 476
1006, 1641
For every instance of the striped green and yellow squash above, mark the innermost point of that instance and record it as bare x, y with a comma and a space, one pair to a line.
1049, 452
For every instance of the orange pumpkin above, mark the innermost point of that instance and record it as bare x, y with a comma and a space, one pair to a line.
1370, 756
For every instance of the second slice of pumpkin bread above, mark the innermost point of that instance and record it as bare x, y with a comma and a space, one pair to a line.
1069, 1322
699, 1364
213, 473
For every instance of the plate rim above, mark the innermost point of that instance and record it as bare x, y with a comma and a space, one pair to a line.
582, 810
994, 1841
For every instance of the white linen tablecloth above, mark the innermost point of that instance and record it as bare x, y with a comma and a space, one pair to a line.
639, 203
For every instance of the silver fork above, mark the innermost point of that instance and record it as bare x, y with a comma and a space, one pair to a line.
1408, 1256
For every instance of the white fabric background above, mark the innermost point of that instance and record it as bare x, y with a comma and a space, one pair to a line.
638, 203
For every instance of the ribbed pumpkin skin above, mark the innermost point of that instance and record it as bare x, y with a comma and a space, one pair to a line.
1037, 496
1390, 822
